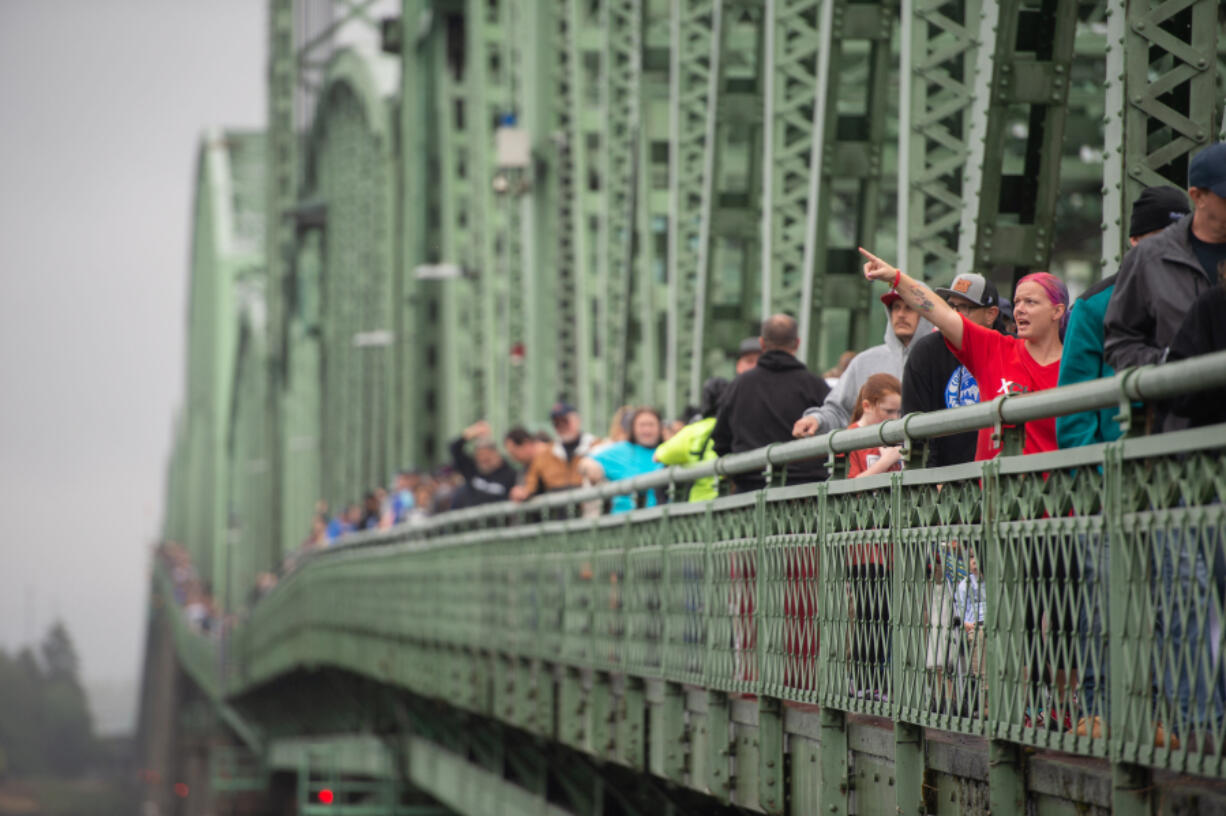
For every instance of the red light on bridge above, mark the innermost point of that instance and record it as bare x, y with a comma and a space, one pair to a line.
181, 790
325, 797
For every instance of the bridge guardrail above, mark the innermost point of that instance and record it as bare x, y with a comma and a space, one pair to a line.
1103, 575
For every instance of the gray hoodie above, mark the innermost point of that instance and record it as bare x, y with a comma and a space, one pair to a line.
887, 358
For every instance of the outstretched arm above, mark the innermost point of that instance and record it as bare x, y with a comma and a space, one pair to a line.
918, 296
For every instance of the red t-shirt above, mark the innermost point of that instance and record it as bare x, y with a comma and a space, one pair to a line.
1001, 365
861, 460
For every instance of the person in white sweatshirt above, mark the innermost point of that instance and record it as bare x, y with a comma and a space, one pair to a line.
835, 412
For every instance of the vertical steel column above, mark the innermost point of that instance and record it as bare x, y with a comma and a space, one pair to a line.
1006, 763
1128, 724
850, 115
487, 65
454, 241
1176, 44
1029, 62
909, 759
515, 278
568, 251
426, 225
835, 774
937, 67
728, 265
792, 41
1115, 204
693, 105
300, 462
622, 73
652, 211
281, 179
538, 208
1165, 81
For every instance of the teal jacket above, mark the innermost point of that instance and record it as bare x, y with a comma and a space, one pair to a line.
1082, 361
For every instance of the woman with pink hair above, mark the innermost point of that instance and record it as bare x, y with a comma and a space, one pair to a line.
1014, 365
1001, 364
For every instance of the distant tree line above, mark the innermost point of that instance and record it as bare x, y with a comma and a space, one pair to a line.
45, 725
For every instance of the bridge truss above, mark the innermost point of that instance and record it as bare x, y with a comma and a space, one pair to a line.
470, 208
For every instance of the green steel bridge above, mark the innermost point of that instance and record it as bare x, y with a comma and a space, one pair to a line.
464, 209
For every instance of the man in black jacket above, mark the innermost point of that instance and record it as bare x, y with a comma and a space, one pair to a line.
487, 476
1202, 332
933, 379
1161, 277
761, 405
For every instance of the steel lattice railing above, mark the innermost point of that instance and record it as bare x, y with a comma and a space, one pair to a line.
1101, 577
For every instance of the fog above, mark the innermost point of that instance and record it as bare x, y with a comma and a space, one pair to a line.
101, 106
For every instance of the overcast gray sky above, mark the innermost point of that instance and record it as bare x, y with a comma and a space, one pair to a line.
101, 106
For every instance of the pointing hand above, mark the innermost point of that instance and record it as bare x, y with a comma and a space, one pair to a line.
877, 269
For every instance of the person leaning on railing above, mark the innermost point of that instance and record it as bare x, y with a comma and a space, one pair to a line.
870, 563
1009, 365
1000, 364
1203, 332
692, 444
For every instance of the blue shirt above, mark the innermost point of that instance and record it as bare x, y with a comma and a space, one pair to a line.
337, 528
402, 503
970, 600
621, 460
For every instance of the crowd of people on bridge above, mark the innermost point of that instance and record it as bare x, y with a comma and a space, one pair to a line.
942, 348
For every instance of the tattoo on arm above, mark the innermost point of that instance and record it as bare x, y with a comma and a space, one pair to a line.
920, 293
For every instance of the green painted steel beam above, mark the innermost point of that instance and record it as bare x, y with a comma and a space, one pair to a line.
622, 174
580, 210
937, 58
693, 104
1018, 121
793, 114
855, 71
281, 193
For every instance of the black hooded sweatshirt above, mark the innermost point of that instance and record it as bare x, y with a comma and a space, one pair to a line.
761, 406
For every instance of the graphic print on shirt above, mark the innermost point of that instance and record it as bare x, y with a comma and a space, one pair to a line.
1010, 387
961, 389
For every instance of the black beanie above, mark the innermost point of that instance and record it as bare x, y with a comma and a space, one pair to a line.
1157, 208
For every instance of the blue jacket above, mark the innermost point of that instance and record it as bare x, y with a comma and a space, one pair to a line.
1082, 361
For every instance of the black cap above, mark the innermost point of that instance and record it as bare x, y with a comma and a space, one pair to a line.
561, 409
1157, 208
750, 345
